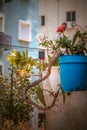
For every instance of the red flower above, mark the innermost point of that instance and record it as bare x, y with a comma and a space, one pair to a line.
61, 28
22, 73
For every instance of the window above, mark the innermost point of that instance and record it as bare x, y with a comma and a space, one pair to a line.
1, 23
1, 68
42, 20
41, 55
71, 16
24, 31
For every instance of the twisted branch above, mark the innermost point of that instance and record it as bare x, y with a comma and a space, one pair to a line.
33, 84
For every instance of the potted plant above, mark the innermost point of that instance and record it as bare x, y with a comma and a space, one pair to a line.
73, 64
73, 61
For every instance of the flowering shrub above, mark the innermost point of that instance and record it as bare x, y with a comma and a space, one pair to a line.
12, 106
76, 45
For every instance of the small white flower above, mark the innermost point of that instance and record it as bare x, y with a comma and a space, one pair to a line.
56, 36
40, 37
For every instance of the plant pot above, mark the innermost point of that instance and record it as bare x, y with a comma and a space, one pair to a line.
54, 78
46, 83
51, 83
73, 72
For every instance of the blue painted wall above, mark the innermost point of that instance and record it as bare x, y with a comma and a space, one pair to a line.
15, 11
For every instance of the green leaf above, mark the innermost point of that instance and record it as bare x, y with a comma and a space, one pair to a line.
40, 95
75, 37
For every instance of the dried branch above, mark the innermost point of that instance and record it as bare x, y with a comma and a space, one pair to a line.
41, 107
33, 84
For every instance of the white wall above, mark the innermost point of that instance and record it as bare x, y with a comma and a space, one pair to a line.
65, 5
49, 8
81, 8
55, 12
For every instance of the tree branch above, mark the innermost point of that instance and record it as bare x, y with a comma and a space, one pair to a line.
41, 107
33, 84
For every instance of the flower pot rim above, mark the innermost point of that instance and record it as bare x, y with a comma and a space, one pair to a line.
73, 59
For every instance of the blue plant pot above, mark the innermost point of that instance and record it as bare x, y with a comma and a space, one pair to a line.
73, 72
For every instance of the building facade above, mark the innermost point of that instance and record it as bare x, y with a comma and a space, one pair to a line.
52, 13
19, 20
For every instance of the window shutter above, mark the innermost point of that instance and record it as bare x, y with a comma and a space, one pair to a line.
24, 31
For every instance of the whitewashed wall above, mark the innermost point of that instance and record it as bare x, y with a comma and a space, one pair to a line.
55, 12
49, 8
